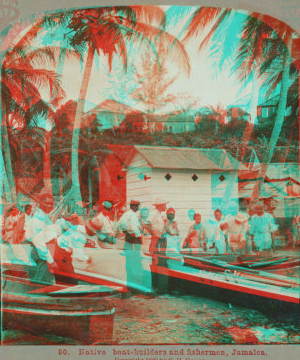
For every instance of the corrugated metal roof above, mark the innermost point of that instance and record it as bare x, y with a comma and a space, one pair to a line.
271, 102
275, 171
187, 158
276, 189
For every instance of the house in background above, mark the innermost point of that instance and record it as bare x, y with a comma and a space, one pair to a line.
109, 114
239, 110
267, 108
186, 177
280, 191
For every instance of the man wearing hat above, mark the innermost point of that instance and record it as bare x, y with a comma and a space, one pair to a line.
102, 225
130, 225
158, 244
235, 225
262, 226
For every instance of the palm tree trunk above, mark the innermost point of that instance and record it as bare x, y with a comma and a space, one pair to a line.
253, 116
47, 138
280, 112
77, 122
90, 188
7, 157
254, 94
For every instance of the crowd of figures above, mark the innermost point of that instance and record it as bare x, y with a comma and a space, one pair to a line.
55, 242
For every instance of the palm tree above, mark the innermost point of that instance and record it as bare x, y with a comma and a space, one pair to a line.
106, 30
257, 27
21, 81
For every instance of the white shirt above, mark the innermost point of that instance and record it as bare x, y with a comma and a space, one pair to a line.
156, 223
104, 224
68, 237
130, 222
35, 222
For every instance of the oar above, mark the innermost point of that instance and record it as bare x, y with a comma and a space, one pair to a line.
264, 274
225, 265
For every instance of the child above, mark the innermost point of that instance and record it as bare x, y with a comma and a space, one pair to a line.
195, 236
171, 231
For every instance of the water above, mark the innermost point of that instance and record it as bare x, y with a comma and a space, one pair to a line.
172, 319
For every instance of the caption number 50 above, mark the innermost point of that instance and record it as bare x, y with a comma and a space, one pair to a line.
63, 352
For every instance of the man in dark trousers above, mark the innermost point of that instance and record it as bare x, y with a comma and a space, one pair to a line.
158, 244
131, 226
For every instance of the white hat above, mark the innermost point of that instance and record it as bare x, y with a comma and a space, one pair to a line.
241, 217
160, 201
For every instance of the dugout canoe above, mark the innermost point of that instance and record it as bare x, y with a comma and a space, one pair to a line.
83, 312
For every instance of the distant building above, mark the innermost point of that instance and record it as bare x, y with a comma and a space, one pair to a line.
280, 191
267, 108
239, 110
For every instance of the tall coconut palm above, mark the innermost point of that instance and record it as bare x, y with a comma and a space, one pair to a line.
284, 86
256, 28
106, 30
22, 78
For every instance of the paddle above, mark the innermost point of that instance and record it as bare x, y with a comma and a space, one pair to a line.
259, 273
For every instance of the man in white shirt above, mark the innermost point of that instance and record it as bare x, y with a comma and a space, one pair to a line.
36, 221
70, 238
158, 245
101, 225
130, 225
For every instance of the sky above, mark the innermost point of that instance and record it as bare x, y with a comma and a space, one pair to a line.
203, 86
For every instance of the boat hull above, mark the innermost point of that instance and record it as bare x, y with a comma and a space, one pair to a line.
96, 328
56, 309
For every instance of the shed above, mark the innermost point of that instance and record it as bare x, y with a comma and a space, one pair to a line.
187, 178
281, 188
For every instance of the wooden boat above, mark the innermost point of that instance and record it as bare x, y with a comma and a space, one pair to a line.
83, 312
281, 261
212, 276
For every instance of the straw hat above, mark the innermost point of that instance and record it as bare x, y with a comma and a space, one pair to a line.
240, 217
258, 207
160, 201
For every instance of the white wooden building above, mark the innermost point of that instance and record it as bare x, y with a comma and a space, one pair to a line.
188, 178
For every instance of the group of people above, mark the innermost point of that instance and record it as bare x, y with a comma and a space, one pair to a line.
234, 233
32, 222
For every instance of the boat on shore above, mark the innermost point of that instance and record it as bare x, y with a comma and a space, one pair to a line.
270, 282
84, 313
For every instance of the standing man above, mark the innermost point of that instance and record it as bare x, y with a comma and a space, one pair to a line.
157, 247
262, 227
235, 225
220, 243
130, 225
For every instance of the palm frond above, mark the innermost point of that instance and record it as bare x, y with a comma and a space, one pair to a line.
199, 20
